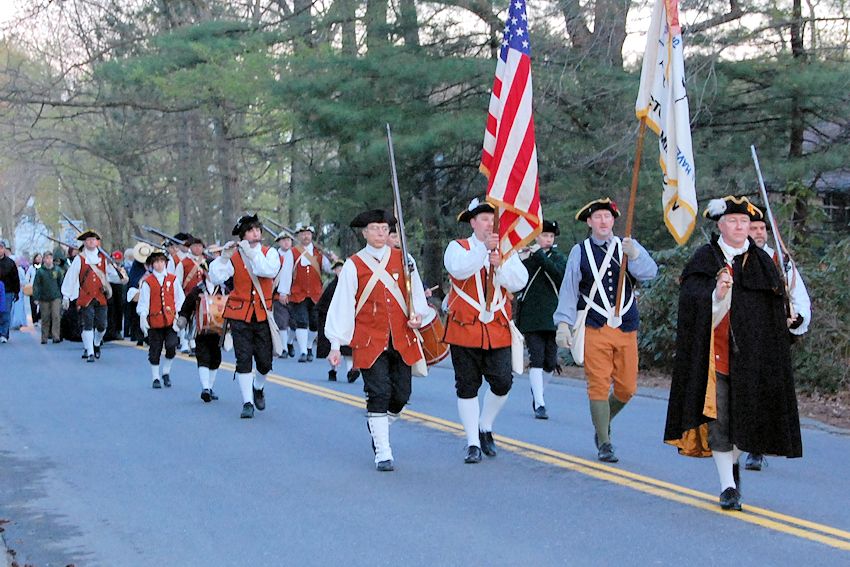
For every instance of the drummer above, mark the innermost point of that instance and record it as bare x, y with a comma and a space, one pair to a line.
204, 307
370, 313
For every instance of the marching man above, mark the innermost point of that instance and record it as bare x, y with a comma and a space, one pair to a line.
610, 349
88, 281
308, 264
191, 270
248, 306
480, 339
370, 313
160, 299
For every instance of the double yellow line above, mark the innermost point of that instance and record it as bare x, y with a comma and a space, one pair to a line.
813, 531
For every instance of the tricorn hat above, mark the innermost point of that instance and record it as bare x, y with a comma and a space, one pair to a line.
183, 237
732, 205
598, 205
301, 227
246, 223
551, 226
154, 256
375, 215
475, 208
88, 233
282, 234
337, 264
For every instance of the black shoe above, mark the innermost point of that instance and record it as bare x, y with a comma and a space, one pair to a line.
473, 455
353, 375
540, 412
247, 410
259, 398
140, 342
213, 397
309, 355
385, 466
85, 354
488, 446
90, 358
283, 354
755, 462
606, 453
57, 341
96, 351
166, 380
331, 375
303, 358
290, 350
44, 341
205, 395
730, 499
156, 384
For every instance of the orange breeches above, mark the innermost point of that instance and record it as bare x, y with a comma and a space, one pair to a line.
610, 355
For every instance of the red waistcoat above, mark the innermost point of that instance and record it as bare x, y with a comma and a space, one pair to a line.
721, 342
91, 286
243, 302
306, 280
162, 308
463, 328
381, 318
189, 265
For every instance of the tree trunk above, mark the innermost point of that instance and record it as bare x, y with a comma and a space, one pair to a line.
798, 125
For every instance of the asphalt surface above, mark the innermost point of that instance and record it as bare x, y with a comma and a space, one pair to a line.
96, 468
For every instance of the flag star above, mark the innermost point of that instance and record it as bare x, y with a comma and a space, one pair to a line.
514, 21
519, 32
507, 29
525, 44
523, 16
518, 5
504, 43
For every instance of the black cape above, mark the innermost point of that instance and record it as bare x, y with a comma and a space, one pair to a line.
763, 399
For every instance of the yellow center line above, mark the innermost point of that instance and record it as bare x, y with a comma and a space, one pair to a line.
799, 527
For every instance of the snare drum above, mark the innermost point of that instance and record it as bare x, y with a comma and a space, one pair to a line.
209, 315
432, 332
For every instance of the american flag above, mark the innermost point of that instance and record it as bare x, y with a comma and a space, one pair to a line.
509, 160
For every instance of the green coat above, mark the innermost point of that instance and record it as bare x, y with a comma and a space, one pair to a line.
537, 302
47, 284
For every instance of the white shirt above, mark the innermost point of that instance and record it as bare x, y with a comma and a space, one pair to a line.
462, 264
287, 265
263, 265
71, 283
339, 326
178, 271
304, 261
800, 300
143, 308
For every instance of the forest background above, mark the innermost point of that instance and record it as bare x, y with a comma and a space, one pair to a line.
185, 113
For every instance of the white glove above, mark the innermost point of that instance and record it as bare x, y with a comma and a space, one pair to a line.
227, 253
143, 324
629, 248
66, 303
181, 322
563, 337
176, 326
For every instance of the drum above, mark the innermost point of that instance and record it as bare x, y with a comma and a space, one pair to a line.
209, 315
432, 332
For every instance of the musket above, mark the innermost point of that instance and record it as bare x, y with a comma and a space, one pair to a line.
279, 226
151, 242
57, 241
115, 264
777, 239
402, 238
161, 234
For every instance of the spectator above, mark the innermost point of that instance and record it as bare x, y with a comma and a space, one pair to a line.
18, 313
12, 287
30, 278
46, 291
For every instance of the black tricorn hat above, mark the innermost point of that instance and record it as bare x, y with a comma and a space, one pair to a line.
88, 233
598, 205
732, 205
155, 255
475, 208
246, 223
338, 264
551, 226
375, 215
183, 237
764, 217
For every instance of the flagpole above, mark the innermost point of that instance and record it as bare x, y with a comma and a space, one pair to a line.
491, 270
630, 213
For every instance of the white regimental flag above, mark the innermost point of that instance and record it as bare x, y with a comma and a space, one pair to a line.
663, 101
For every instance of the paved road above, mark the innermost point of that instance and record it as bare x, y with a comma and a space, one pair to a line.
96, 468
